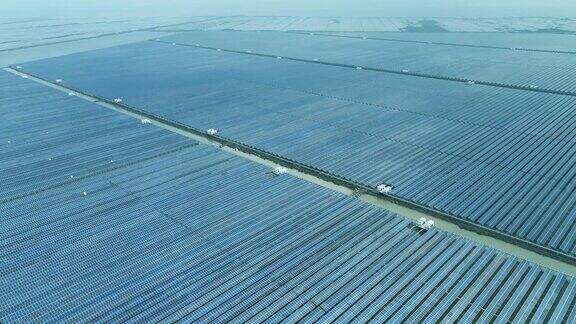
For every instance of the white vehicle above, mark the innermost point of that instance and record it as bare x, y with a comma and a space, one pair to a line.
279, 170
424, 223
384, 188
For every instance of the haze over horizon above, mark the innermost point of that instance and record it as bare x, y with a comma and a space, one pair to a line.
321, 8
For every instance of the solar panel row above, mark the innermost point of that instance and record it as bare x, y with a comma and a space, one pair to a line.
502, 158
519, 68
181, 231
518, 28
504, 41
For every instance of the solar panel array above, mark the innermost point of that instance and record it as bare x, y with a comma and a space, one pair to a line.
391, 24
497, 65
500, 157
108, 219
34, 32
21, 33
535, 41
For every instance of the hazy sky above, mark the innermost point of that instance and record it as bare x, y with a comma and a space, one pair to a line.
381, 8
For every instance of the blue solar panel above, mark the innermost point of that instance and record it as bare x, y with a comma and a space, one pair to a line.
545, 42
177, 231
505, 66
502, 158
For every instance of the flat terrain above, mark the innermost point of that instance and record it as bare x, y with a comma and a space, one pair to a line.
110, 219
495, 152
140, 182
